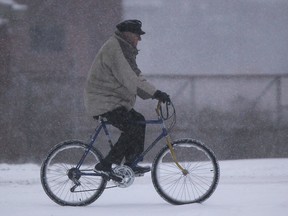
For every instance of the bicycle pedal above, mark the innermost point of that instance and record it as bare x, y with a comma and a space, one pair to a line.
116, 178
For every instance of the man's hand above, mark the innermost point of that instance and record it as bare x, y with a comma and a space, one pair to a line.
162, 96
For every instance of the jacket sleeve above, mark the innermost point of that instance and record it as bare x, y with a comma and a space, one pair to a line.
123, 72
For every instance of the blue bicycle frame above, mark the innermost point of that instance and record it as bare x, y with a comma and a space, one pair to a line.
163, 134
103, 126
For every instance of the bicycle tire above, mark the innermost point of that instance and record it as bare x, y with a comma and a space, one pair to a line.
57, 169
195, 187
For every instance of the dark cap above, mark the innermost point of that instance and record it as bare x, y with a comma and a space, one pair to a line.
133, 26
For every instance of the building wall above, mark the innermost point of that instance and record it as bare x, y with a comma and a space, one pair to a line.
4, 55
73, 31
52, 45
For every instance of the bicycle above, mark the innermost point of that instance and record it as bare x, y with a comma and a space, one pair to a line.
184, 171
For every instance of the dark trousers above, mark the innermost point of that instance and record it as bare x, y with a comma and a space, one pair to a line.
131, 141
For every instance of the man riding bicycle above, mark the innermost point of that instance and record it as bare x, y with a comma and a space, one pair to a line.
113, 83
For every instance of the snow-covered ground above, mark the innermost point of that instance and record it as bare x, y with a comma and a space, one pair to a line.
246, 188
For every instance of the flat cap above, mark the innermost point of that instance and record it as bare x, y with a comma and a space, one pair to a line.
133, 26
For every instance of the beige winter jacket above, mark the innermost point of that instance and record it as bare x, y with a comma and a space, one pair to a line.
114, 79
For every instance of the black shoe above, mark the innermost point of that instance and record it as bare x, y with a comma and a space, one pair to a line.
139, 170
107, 172
103, 166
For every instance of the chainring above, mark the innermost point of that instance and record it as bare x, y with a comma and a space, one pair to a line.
126, 173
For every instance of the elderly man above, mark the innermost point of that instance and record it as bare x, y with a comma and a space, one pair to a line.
113, 83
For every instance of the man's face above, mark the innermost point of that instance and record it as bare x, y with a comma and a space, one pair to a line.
133, 38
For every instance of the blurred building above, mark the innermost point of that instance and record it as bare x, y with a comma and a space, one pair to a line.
47, 47
46, 50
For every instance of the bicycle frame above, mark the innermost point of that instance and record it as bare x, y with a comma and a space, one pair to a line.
164, 133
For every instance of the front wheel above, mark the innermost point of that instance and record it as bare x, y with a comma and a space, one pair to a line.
193, 185
67, 182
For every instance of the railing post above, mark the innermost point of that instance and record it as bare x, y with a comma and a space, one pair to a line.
278, 108
193, 95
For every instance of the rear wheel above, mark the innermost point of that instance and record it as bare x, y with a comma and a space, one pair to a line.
64, 182
199, 180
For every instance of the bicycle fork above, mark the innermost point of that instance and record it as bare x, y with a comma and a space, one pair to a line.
169, 143
169, 140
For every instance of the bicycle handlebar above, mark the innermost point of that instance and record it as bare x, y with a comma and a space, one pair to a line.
160, 112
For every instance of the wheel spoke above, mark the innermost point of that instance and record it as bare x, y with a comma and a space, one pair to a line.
59, 175
179, 188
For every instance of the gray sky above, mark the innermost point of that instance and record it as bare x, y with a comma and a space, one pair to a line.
212, 36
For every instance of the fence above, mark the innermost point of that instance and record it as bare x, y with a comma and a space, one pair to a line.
238, 116
278, 81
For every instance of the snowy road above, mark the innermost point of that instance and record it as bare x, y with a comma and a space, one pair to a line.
246, 188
